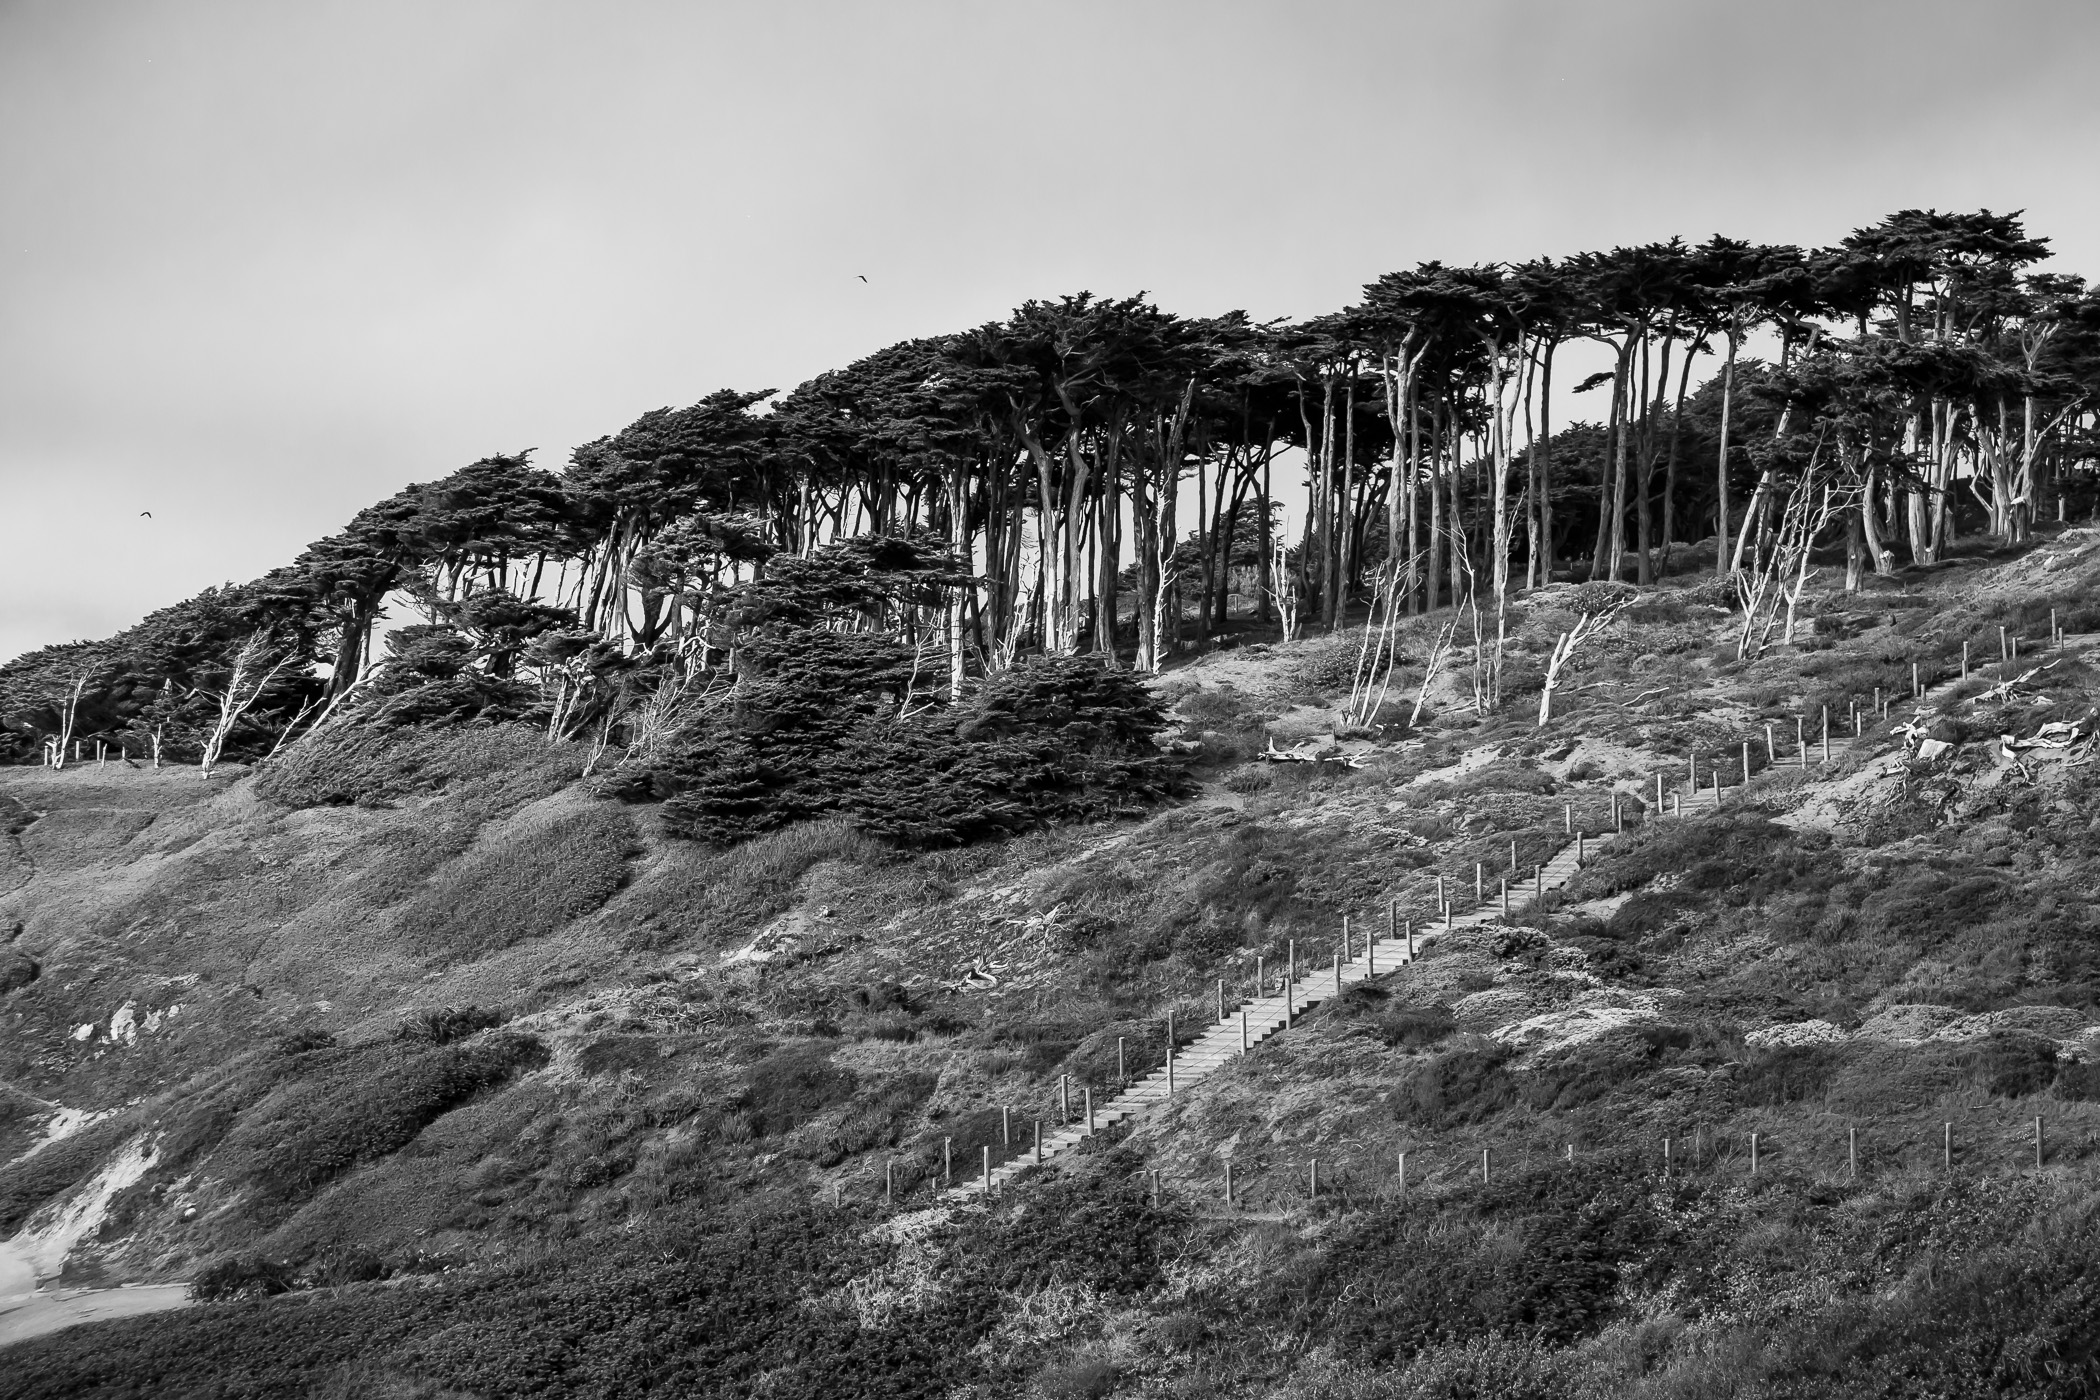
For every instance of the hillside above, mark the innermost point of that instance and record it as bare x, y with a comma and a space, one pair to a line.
504, 1092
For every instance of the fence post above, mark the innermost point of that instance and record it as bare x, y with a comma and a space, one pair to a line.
1170, 1053
1658, 794
2038, 1142
1064, 1098
1947, 1147
1155, 1190
1852, 1153
1753, 1154
1403, 1173
1261, 977
1228, 1184
1479, 881
987, 1173
1746, 763
947, 1161
1826, 736
1618, 813
1571, 1154
2003, 655
1538, 883
1666, 1159
1410, 940
837, 1196
1513, 856
1771, 748
1086, 1101
1243, 1031
1916, 689
1965, 660
1484, 1175
1567, 817
1578, 848
1039, 1142
889, 1181
1122, 1074
1006, 1127
1505, 899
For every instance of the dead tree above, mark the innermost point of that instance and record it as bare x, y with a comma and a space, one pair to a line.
1587, 626
1773, 587
243, 688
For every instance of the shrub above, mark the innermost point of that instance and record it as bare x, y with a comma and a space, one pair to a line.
367, 1105
526, 886
240, 1276
817, 731
450, 1023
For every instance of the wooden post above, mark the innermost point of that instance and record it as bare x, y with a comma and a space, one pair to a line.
1479, 881
1965, 660
1771, 748
1578, 848
2003, 654
1852, 1153
1947, 1147
1039, 1142
1505, 899
1571, 1154
1086, 1102
947, 1161
1877, 702
1314, 1178
1538, 883
1746, 762
1155, 1190
1290, 983
1753, 1154
1676, 807
1122, 1074
1567, 817
889, 1177
837, 1196
1485, 1178
1826, 736
1717, 787
987, 1172
1618, 813
1261, 978
1170, 1052
1064, 1098
1410, 940
1243, 1031
1228, 1184
1658, 794
1221, 1001
1692, 772
1666, 1159
2016, 648
1512, 856
1403, 1173
1800, 744
2037, 1142
1440, 901
1916, 689
1006, 1127
1338, 968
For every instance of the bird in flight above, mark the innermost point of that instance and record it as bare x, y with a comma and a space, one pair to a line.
147, 513
861, 275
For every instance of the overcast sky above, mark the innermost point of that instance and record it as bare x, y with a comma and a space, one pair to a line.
261, 264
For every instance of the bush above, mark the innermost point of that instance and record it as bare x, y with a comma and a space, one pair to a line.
240, 1276
817, 732
367, 1105
527, 885
450, 1023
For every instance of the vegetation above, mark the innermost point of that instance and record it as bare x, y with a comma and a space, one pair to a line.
775, 817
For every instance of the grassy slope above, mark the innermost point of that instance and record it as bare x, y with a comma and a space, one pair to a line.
728, 1037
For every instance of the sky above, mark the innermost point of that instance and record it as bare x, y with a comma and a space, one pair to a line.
262, 264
